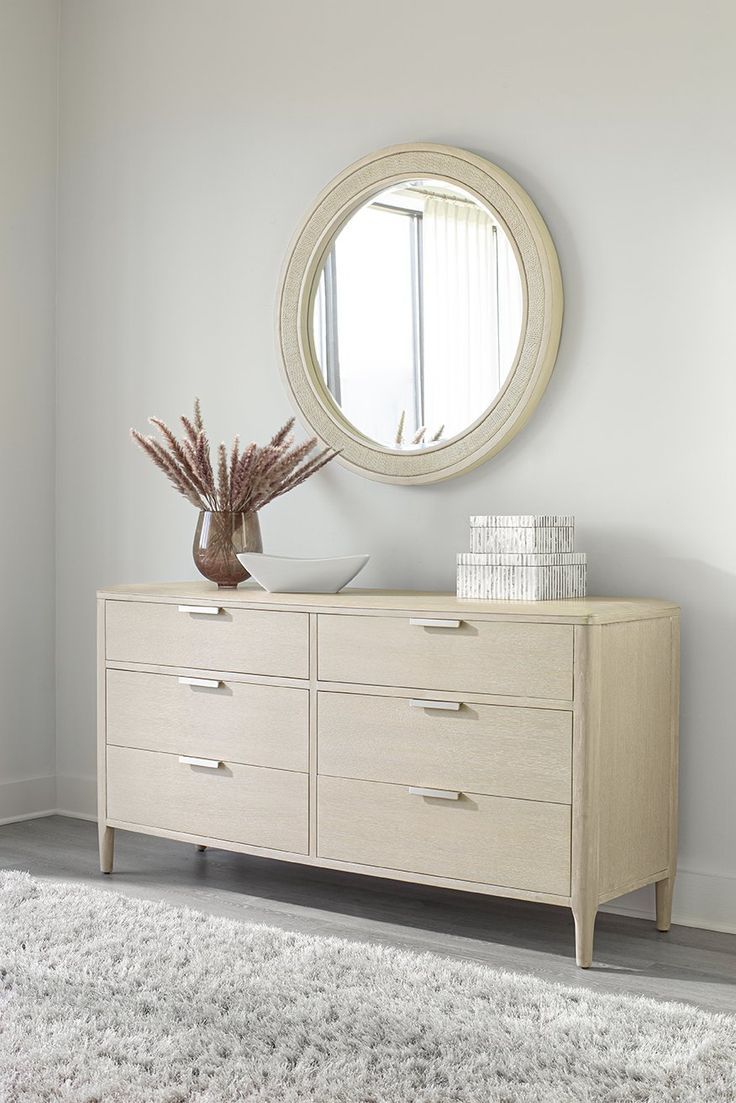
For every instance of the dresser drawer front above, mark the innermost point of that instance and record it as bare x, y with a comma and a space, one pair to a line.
510, 752
245, 641
259, 725
520, 844
241, 804
499, 657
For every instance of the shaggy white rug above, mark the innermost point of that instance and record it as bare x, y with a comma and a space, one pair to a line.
104, 999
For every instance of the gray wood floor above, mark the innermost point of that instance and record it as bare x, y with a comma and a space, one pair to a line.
694, 966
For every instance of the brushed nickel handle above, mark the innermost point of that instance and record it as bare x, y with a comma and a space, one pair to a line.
206, 683
432, 622
190, 760
209, 610
443, 794
452, 706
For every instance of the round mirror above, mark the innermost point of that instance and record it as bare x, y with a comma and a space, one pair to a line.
417, 317
419, 313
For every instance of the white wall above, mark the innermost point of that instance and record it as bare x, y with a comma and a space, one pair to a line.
28, 116
194, 136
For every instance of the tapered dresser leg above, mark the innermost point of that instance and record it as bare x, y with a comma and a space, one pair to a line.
584, 915
664, 890
107, 847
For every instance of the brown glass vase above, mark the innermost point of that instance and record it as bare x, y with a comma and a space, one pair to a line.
217, 539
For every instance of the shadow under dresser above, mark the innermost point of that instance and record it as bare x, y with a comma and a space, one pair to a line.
516, 749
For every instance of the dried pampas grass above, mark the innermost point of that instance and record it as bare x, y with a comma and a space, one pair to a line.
239, 482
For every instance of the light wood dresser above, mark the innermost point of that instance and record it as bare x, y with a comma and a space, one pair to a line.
516, 749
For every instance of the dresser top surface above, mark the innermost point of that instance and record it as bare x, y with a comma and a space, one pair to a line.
588, 610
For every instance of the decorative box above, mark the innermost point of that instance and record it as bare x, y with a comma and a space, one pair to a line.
521, 576
522, 533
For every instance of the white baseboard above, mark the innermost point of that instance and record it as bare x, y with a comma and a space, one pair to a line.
27, 798
75, 815
34, 798
28, 816
46, 813
705, 900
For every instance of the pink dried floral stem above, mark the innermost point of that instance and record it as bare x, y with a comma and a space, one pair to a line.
242, 474
280, 437
234, 457
291, 459
301, 476
184, 457
204, 465
162, 461
223, 478
201, 478
188, 428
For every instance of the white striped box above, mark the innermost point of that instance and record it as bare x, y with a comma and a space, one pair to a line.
528, 533
520, 576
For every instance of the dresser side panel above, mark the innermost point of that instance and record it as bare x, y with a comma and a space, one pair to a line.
636, 753
101, 716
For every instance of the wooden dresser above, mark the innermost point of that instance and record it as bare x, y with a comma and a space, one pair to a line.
514, 749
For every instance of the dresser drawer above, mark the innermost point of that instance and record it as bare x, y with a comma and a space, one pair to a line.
509, 752
234, 803
521, 844
501, 657
237, 721
245, 641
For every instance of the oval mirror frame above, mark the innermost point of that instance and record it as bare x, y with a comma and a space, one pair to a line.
540, 331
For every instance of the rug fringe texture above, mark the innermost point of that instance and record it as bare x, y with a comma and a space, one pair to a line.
106, 999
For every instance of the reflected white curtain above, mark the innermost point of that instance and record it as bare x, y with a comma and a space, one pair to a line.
461, 349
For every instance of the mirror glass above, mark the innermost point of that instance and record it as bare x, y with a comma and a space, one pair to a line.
418, 313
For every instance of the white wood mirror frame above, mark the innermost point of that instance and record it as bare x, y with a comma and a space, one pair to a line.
540, 330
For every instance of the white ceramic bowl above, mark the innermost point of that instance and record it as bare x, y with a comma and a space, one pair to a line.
282, 574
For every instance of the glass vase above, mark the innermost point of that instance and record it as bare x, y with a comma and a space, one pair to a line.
217, 539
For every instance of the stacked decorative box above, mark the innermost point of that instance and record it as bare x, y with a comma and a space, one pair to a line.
521, 558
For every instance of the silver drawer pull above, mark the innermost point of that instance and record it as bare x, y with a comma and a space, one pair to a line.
443, 794
430, 622
210, 763
415, 703
206, 683
208, 610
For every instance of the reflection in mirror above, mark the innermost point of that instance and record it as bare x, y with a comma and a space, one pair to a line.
418, 313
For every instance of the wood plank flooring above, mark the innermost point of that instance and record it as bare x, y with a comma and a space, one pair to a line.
694, 966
